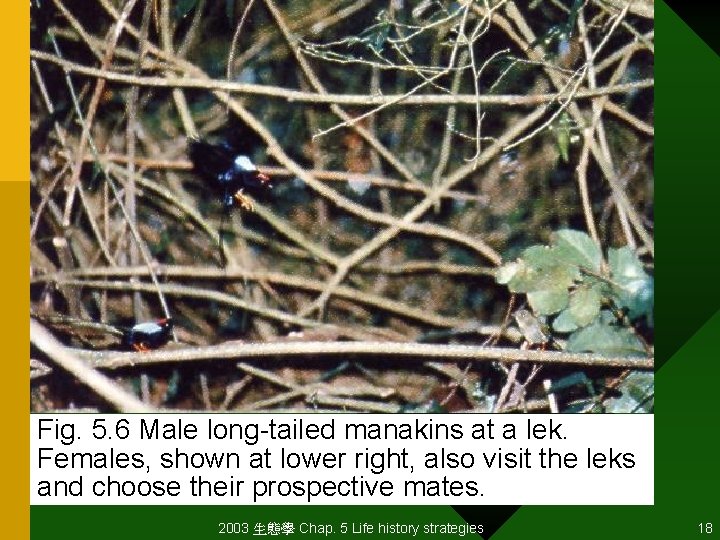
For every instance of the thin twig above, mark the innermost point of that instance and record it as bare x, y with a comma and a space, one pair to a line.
354, 100
391, 306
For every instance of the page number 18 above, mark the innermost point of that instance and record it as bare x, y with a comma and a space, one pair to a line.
705, 528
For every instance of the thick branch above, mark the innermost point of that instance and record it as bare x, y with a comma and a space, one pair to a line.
69, 360
411, 352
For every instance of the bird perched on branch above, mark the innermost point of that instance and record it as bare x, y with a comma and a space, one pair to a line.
148, 335
535, 331
142, 337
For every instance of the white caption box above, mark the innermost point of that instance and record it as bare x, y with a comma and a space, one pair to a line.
341, 459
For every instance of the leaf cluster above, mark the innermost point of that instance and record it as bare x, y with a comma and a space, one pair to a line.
588, 297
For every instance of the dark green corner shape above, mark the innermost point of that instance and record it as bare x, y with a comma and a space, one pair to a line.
687, 183
702, 17
492, 517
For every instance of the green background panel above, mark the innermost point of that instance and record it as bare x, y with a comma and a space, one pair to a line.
687, 302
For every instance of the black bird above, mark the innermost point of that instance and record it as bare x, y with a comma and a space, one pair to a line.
230, 172
148, 335
141, 337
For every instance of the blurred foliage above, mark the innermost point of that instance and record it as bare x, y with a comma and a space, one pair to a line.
635, 394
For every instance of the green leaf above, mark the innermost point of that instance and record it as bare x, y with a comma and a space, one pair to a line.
576, 247
585, 305
538, 255
548, 301
607, 317
602, 338
541, 269
562, 139
564, 322
634, 289
601, 285
506, 272
624, 264
636, 394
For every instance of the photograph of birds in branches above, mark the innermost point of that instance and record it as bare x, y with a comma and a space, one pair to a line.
343, 205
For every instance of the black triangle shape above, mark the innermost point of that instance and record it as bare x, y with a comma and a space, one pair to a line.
490, 517
701, 17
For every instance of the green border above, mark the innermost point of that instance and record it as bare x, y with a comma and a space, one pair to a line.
686, 476
201, 522
686, 182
